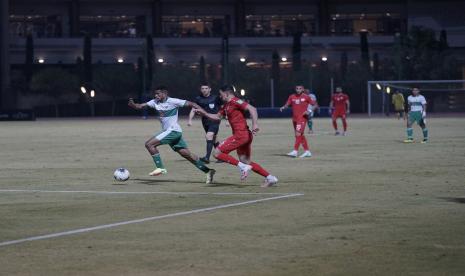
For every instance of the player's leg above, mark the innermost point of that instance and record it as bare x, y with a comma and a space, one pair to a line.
334, 121
300, 132
410, 120
244, 153
344, 123
195, 160
210, 136
310, 123
297, 141
224, 148
422, 124
151, 145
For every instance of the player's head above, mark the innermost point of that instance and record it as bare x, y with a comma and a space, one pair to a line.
415, 91
161, 93
205, 89
227, 92
299, 89
338, 89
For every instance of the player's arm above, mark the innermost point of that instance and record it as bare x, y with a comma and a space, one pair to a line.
134, 105
254, 115
331, 107
424, 110
191, 116
215, 117
286, 105
348, 106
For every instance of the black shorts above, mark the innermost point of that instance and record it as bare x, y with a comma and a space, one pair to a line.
210, 126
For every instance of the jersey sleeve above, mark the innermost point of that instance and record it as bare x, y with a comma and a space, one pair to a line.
289, 100
151, 103
178, 102
310, 100
423, 100
241, 104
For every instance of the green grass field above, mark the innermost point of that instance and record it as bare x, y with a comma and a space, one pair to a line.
371, 205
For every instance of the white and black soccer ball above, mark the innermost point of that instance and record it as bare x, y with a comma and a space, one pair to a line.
121, 174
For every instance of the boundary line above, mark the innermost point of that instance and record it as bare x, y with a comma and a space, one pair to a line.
106, 226
137, 193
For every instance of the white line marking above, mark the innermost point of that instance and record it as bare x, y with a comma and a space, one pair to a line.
137, 193
105, 226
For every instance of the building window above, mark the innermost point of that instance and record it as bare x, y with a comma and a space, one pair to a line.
279, 25
113, 26
36, 25
193, 26
373, 23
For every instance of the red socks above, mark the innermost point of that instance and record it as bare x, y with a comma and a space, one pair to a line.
344, 124
304, 142
227, 158
258, 169
335, 125
300, 140
297, 143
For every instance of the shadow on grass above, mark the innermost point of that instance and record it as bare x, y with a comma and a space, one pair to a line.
163, 181
454, 199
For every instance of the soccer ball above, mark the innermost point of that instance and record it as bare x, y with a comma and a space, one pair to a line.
121, 174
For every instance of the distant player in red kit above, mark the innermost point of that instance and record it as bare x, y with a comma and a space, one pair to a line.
340, 108
241, 141
299, 102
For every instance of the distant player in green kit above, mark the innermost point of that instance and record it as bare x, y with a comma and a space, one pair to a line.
416, 113
171, 133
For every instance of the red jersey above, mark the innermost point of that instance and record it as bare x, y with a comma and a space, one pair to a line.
299, 104
234, 110
340, 102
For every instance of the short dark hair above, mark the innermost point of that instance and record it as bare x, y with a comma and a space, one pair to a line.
227, 88
161, 88
299, 84
205, 84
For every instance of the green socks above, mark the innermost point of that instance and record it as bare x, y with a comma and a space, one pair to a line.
201, 166
157, 160
425, 133
410, 133
310, 124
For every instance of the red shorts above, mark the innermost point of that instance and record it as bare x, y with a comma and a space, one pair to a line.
299, 126
240, 141
339, 114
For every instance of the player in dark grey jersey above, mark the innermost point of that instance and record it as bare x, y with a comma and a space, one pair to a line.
211, 104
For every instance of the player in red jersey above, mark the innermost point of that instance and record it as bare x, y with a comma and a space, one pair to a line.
241, 140
299, 102
340, 108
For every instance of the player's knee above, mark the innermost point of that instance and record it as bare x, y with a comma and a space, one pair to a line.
216, 153
209, 136
148, 145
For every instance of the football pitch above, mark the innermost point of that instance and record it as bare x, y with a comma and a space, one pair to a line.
364, 204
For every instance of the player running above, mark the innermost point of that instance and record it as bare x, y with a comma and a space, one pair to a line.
416, 113
311, 110
241, 140
339, 108
399, 104
171, 133
299, 102
210, 103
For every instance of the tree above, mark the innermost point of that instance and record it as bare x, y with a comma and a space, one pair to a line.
56, 83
